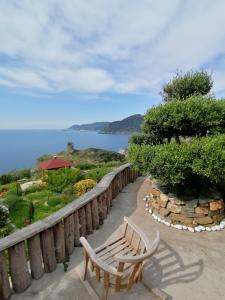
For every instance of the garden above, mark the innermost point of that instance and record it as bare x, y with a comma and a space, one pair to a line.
54, 188
182, 148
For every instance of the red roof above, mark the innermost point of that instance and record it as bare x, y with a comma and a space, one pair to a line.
54, 163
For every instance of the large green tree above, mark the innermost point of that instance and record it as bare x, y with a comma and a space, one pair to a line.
185, 85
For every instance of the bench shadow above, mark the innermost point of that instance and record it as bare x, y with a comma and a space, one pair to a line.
167, 268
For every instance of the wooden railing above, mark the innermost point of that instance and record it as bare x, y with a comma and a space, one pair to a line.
37, 249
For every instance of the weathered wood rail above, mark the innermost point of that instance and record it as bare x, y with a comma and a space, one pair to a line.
52, 239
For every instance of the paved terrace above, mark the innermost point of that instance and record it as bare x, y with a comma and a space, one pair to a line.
186, 266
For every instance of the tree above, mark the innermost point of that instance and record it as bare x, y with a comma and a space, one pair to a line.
196, 116
70, 147
191, 83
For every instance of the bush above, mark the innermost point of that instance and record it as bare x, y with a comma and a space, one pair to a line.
35, 188
4, 215
191, 164
197, 116
58, 180
98, 173
11, 201
86, 166
145, 139
5, 178
183, 86
83, 186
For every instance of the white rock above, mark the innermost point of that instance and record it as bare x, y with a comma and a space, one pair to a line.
150, 211
191, 229
184, 227
171, 225
146, 205
217, 227
222, 226
214, 228
202, 228
197, 229
208, 229
146, 209
222, 223
144, 199
178, 226
167, 224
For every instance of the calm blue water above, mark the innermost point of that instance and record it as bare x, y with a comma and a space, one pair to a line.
20, 148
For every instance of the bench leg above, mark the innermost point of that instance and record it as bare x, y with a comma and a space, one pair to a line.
105, 289
86, 259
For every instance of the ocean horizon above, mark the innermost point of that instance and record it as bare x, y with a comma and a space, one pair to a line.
20, 148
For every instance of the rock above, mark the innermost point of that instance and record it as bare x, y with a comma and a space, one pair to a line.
163, 200
164, 212
213, 228
204, 220
174, 208
167, 224
178, 226
155, 192
197, 229
208, 229
192, 203
150, 211
215, 205
201, 210
222, 226
184, 227
201, 227
176, 201
146, 205
217, 227
191, 229
199, 215
218, 218
180, 218
155, 204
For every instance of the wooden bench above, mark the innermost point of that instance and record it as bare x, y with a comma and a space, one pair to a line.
120, 262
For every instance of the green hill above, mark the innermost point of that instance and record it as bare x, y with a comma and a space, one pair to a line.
127, 125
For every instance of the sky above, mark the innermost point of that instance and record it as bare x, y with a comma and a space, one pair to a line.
74, 61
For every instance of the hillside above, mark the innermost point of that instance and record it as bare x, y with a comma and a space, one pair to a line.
92, 126
127, 125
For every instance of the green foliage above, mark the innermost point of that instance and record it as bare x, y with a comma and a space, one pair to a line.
4, 215
83, 186
98, 173
191, 83
11, 201
5, 178
197, 116
13, 176
86, 166
145, 138
58, 180
190, 164
35, 188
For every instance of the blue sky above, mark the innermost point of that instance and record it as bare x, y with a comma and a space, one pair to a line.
75, 61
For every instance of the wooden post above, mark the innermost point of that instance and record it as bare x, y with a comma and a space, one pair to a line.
104, 207
110, 194
108, 200
5, 290
89, 226
18, 268
35, 255
94, 212
100, 210
69, 234
76, 229
82, 221
48, 250
59, 239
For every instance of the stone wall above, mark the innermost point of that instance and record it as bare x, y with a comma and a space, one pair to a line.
190, 212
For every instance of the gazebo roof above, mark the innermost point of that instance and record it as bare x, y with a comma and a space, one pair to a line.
54, 163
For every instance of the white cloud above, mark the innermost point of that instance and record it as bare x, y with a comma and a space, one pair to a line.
97, 46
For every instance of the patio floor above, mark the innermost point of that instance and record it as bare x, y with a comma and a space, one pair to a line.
186, 266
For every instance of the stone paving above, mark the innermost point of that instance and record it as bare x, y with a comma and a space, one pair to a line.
186, 266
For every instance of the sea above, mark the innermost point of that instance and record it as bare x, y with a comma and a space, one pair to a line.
20, 148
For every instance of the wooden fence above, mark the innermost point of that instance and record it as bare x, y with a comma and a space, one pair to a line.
37, 249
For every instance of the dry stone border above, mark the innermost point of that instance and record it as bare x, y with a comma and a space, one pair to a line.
195, 215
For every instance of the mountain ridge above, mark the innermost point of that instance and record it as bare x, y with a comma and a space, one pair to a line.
126, 125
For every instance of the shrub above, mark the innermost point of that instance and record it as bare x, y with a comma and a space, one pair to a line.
191, 164
5, 178
145, 139
35, 188
83, 186
98, 173
86, 166
59, 179
4, 215
183, 86
196, 116
11, 201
